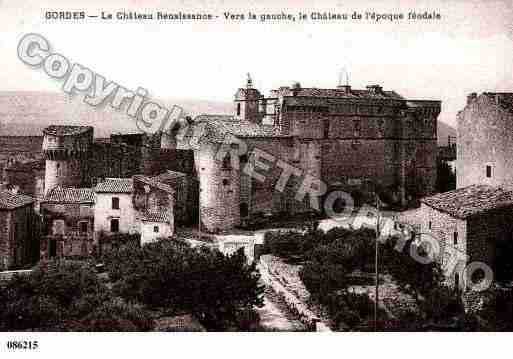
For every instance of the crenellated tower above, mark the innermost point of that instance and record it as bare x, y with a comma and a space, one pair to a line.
67, 151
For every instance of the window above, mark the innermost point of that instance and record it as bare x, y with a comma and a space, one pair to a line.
326, 128
381, 122
115, 203
429, 225
243, 159
114, 225
156, 229
488, 171
238, 109
227, 162
82, 227
455, 237
456, 281
226, 182
244, 210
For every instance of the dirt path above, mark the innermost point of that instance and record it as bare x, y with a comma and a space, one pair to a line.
274, 315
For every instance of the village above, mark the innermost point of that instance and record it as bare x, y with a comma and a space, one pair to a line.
364, 156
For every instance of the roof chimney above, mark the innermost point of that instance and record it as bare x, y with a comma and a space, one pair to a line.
296, 87
374, 89
345, 88
471, 97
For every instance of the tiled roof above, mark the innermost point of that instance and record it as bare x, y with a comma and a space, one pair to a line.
115, 185
154, 183
218, 127
9, 200
154, 216
471, 200
169, 175
336, 93
70, 195
57, 130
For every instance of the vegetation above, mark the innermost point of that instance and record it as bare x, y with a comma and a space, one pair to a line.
329, 259
221, 291
65, 296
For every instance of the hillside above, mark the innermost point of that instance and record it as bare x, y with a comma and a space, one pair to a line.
27, 113
444, 131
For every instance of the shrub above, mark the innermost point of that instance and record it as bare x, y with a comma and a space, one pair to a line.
323, 278
175, 277
116, 315
64, 295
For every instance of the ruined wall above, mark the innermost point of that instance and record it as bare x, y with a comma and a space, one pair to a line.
17, 238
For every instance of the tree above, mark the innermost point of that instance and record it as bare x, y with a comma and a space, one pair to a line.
177, 278
323, 278
57, 296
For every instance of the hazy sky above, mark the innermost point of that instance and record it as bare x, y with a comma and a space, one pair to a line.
470, 49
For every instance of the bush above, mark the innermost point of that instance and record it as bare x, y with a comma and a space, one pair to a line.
58, 296
116, 315
323, 278
177, 278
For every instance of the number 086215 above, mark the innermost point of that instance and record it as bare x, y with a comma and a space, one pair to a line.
22, 345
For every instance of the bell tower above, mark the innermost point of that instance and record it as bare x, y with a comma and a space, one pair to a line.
247, 102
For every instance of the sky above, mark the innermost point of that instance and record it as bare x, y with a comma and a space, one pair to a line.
469, 50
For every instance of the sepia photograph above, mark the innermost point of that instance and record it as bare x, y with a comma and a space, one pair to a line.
339, 167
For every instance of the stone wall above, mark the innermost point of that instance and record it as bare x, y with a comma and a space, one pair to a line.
485, 138
443, 226
18, 236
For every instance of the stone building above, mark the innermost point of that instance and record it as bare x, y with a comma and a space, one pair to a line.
113, 210
29, 177
154, 202
467, 224
351, 140
75, 159
18, 231
485, 140
183, 198
67, 150
68, 223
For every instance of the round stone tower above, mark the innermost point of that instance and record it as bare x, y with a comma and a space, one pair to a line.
67, 151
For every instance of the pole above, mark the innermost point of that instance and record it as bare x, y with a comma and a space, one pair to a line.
376, 268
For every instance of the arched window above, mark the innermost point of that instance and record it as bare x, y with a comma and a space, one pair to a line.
238, 108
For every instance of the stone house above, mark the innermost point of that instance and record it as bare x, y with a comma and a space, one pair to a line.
466, 224
28, 176
18, 231
181, 184
155, 225
114, 211
154, 202
68, 223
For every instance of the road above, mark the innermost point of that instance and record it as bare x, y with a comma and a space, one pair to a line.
274, 315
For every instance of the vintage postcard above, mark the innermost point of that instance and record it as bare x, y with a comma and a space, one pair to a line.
330, 166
